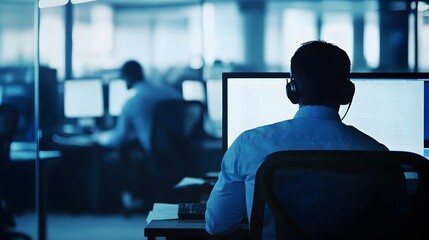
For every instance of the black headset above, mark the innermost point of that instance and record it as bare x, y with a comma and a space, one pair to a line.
345, 96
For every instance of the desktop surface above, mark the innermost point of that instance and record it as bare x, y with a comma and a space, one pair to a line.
27, 151
185, 229
389, 109
172, 226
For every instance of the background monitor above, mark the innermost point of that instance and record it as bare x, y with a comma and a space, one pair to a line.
118, 94
83, 98
193, 90
214, 106
390, 108
214, 99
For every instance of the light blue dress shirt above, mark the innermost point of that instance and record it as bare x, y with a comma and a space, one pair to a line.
312, 128
135, 120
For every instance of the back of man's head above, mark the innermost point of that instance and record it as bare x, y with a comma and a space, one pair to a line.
132, 72
321, 74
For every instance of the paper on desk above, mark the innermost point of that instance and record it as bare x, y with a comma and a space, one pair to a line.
163, 211
187, 181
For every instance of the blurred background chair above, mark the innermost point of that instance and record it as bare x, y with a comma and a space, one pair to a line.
343, 195
177, 125
9, 117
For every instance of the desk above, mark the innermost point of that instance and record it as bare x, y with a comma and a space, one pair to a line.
21, 152
186, 229
30, 155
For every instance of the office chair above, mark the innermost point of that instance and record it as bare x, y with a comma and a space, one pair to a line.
8, 125
342, 195
176, 123
9, 117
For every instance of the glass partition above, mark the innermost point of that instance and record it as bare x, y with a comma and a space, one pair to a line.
17, 89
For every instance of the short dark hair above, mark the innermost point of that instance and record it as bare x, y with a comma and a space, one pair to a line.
320, 70
132, 71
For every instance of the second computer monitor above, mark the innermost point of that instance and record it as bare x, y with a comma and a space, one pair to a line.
118, 94
388, 109
193, 90
83, 98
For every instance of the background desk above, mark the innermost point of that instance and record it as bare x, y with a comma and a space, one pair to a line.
29, 153
185, 229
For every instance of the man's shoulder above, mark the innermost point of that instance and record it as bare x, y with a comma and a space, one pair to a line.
366, 140
268, 132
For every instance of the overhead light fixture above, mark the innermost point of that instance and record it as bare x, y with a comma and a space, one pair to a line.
52, 3
56, 3
81, 1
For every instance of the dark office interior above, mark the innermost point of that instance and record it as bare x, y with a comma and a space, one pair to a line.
51, 55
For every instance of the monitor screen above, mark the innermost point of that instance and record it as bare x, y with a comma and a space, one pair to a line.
193, 90
214, 107
391, 110
83, 98
118, 94
214, 99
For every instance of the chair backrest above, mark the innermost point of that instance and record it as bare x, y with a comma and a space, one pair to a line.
342, 195
9, 117
175, 124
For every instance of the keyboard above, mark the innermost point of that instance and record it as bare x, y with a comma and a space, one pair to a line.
192, 210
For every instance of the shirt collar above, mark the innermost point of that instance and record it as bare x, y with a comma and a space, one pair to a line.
317, 111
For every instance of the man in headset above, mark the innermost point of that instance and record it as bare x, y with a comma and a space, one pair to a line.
319, 84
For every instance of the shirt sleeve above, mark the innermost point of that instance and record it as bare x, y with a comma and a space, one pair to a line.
226, 205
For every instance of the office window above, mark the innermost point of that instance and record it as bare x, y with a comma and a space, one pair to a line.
411, 41
372, 39
92, 38
223, 35
133, 31
274, 38
166, 40
294, 34
16, 34
423, 36
52, 39
338, 28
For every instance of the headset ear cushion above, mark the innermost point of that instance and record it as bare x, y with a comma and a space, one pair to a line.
292, 92
348, 93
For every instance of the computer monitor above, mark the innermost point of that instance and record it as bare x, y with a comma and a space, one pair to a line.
118, 95
388, 107
83, 98
193, 90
